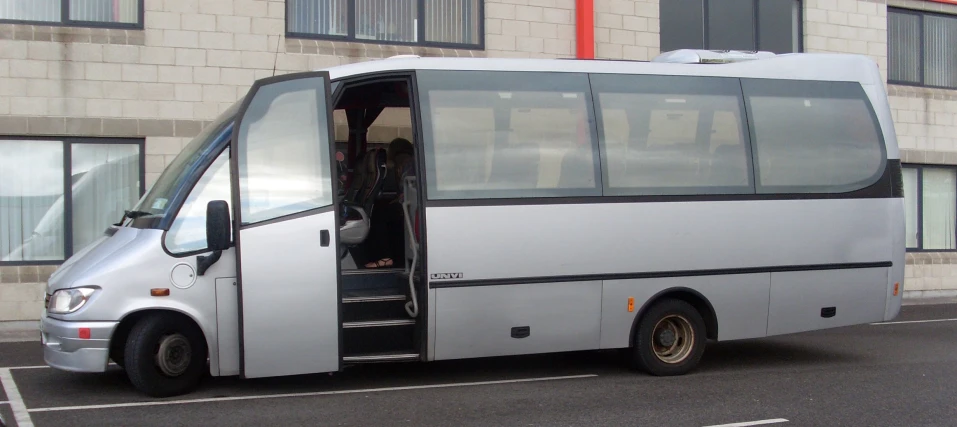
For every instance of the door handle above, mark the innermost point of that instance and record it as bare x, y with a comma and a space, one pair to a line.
324, 238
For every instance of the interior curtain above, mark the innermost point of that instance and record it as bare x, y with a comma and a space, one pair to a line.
910, 206
387, 20
903, 43
940, 208
940, 61
328, 17
30, 10
31, 200
451, 21
105, 182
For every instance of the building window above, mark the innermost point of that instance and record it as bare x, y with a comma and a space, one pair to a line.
452, 23
58, 195
768, 25
79, 13
920, 48
930, 199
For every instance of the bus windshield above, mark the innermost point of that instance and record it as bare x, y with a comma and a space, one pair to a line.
158, 200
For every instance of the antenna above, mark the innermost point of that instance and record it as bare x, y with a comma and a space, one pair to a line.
276, 60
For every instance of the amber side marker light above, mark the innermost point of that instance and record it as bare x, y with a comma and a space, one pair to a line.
897, 287
631, 304
159, 292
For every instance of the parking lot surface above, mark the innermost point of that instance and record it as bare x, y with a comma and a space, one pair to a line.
902, 373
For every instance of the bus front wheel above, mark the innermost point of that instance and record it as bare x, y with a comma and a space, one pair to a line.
669, 339
165, 355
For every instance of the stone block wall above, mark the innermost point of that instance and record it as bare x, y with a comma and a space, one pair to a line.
530, 28
847, 26
926, 124
627, 29
166, 82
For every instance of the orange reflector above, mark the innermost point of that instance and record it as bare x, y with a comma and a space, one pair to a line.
631, 304
896, 288
159, 292
83, 333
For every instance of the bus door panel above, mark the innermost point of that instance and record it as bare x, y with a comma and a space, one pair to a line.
286, 228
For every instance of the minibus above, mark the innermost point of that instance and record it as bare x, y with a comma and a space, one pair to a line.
415, 209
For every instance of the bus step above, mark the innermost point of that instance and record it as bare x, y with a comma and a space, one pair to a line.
378, 323
373, 298
382, 357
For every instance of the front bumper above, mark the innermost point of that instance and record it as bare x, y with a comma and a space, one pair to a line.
64, 349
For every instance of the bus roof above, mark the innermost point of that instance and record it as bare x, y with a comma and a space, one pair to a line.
794, 66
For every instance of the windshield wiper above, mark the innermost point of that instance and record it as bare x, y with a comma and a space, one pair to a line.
131, 215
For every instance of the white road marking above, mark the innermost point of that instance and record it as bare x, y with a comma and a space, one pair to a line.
20, 413
306, 394
39, 366
4, 402
752, 423
914, 321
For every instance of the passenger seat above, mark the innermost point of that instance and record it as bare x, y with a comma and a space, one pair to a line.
372, 175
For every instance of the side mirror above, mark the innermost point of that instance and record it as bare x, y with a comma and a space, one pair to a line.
217, 225
217, 234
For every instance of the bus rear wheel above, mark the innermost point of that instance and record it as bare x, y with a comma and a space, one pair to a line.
670, 339
165, 355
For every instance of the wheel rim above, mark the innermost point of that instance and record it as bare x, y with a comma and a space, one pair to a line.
672, 339
174, 355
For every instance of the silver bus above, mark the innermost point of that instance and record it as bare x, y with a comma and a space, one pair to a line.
525, 206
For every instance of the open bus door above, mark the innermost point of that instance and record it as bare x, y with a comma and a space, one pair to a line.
285, 222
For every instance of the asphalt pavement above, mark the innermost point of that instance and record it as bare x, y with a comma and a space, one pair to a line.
896, 374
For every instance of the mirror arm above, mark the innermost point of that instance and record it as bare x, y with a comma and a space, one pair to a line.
204, 262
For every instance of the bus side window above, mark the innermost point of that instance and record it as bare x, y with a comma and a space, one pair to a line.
682, 135
505, 134
813, 136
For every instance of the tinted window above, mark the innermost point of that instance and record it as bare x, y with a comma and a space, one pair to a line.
771, 25
778, 26
731, 25
672, 135
813, 136
682, 25
504, 134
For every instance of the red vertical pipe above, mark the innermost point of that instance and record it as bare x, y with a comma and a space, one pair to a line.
585, 28
116, 10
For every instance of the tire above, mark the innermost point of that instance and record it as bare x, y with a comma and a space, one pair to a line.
183, 344
116, 351
682, 338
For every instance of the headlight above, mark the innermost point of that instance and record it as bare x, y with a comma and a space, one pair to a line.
69, 300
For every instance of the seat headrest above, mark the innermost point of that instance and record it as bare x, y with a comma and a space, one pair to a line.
400, 146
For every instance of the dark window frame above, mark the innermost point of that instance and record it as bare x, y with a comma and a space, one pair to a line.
919, 167
65, 20
921, 49
420, 32
68, 143
706, 15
